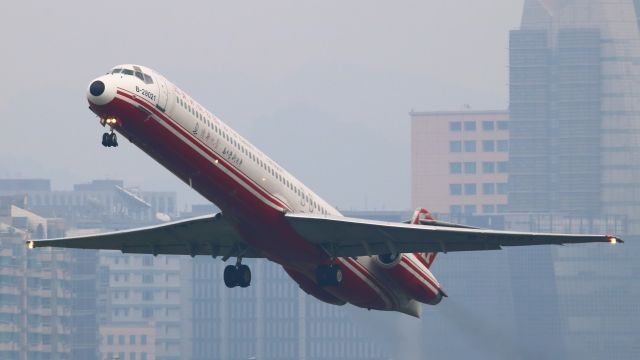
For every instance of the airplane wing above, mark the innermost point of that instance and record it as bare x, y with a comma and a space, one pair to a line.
342, 236
204, 235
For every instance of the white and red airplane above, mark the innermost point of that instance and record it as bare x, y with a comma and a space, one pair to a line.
268, 213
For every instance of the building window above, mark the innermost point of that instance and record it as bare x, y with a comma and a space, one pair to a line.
455, 189
143, 356
470, 146
455, 168
146, 313
502, 167
455, 146
132, 339
503, 125
143, 339
488, 145
469, 209
502, 188
455, 126
469, 189
488, 209
110, 340
147, 260
501, 208
488, 167
488, 188
469, 167
121, 339
503, 145
147, 295
488, 125
469, 126
455, 209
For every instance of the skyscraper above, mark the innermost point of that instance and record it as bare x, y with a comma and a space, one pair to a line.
574, 103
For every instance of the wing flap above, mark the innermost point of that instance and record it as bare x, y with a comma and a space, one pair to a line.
205, 235
341, 236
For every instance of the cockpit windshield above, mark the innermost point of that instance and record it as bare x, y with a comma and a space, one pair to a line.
147, 79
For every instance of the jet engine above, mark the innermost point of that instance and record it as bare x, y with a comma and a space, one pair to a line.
412, 276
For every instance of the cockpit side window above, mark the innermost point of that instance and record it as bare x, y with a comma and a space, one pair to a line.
147, 79
115, 71
139, 75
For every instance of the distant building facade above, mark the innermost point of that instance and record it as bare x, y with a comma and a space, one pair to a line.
574, 104
94, 204
127, 342
109, 288
459, 161
36, 298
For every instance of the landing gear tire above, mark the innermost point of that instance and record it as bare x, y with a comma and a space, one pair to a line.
243, 276
109, 139
230, 276
113, 139
238, 275
329, 275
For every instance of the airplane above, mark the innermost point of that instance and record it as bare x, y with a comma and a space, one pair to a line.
267, 213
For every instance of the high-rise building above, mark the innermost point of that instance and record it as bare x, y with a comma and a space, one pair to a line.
574, 103
110, 289
35, 290
459, 161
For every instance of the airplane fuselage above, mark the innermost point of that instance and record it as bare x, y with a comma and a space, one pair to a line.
251, 189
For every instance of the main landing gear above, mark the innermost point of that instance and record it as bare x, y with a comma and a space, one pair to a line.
237, 275
109, 139
329, 275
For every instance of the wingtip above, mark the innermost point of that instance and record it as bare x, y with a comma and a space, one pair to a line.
614, 240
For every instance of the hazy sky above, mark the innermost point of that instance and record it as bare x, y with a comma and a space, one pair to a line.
323, 87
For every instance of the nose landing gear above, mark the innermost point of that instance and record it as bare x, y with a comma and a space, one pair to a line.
109, 139
237, 275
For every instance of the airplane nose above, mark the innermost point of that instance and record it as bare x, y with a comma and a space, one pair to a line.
101, 91
96, 88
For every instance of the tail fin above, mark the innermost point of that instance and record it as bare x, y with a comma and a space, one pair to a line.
423, 214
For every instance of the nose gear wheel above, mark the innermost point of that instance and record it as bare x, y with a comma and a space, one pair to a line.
109, 139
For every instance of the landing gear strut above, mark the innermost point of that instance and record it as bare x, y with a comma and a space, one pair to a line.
237, 275
329, 275
109, 139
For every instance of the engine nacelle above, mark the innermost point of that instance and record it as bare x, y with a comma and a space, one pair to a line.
412, 276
